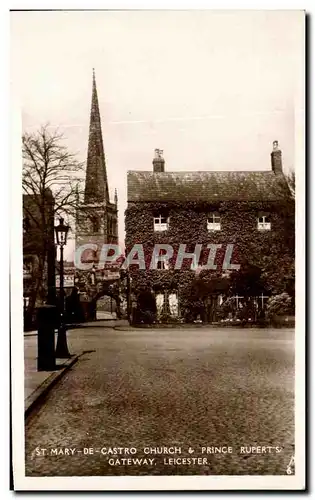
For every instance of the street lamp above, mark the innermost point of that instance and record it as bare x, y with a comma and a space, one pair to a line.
61, 239
128, 293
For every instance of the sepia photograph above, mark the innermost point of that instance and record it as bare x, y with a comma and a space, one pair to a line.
157, 307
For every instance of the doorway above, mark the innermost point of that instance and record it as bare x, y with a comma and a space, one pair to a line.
106, 308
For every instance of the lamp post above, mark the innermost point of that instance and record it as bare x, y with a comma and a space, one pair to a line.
61, 238
128, 293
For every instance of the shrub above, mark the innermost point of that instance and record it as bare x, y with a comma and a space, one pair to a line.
278, 305
226, 308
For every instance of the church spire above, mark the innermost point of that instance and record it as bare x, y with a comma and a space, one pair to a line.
96, 187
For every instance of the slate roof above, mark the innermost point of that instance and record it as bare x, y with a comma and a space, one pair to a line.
146, 186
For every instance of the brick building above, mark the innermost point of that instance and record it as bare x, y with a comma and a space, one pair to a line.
248, 215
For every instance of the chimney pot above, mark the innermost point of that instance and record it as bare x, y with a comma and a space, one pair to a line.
158, 161
276, 158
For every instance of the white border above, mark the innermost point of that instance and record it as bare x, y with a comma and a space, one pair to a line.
151, 483
5, 264
159, 483
162, 4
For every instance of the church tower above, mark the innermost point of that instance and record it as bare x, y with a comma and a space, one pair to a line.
96, 217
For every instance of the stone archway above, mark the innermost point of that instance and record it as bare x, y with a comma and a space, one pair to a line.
106, 293
105, 308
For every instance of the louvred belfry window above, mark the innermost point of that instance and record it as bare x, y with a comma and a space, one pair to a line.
95, 225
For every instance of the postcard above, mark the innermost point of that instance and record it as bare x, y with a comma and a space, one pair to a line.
158, 330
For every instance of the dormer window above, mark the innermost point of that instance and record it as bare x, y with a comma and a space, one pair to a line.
263, 222
214, 222
161, 223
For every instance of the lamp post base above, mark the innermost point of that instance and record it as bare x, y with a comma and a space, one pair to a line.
62, 350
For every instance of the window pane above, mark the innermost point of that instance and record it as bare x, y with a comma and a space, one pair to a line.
264, 226
160, 224
263, 218
214, 226
214, 217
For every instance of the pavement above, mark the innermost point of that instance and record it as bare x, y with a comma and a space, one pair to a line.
188, 389
38, 383
105, 315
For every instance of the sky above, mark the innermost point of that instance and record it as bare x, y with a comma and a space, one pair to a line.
213, 89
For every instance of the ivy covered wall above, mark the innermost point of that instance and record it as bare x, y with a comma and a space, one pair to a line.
271, 251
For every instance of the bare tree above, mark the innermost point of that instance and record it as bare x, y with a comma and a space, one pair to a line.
51, 178
48, 165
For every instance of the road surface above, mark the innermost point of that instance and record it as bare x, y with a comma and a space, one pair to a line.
166, 396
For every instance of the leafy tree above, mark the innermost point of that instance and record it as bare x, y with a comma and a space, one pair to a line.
146, 306
247, 281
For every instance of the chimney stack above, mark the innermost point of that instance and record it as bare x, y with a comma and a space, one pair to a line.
276, 158
158, 161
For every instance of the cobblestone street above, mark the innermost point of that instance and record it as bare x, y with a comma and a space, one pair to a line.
194, 387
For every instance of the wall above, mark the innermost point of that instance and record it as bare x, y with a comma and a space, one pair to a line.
272, 251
